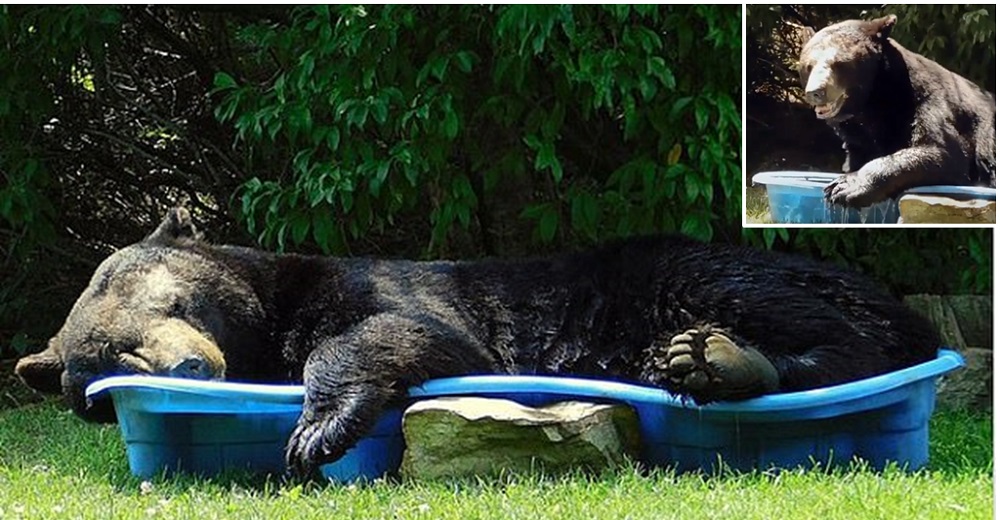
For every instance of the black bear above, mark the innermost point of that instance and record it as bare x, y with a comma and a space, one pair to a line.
905, 120
706, 321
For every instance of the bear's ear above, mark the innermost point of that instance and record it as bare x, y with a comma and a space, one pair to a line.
177, 224
880, 28
42, 371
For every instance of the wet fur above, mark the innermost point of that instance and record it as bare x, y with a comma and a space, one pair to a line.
938, 127
359, 332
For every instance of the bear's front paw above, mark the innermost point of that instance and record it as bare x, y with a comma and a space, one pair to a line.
310, 445
707, 365
850, 190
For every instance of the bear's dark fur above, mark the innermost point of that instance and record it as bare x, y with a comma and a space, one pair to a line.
905, 120
706, 321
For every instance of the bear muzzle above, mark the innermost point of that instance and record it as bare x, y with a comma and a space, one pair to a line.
193, 367
823, 93
176, 349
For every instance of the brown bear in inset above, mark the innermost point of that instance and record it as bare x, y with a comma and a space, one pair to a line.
905, 120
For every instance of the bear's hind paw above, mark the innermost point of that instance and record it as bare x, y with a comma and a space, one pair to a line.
707, 365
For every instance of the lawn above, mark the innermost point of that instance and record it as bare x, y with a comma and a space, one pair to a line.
52, 465
758, 211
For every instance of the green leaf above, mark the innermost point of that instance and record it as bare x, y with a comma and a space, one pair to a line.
438, 66
464, 215
346, 200
647, 88
657, 66
461, 188
633, 118
701, 114
109, 17
975, 250
412, 175
450, 125
548, 223
333, 138
322, 228
584, 213
557, 169
282, 234
692, 187
545, 157
383, 172
769, 236
678, 107
223, 81
532, 141
465, 59
696, 225
534, 211
300, 227
357, 115
380, 110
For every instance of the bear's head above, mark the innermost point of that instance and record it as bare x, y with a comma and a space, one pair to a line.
161, 306
839, 64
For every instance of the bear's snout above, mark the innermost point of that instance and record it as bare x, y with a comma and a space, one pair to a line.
192, 368
818, 87
816, 96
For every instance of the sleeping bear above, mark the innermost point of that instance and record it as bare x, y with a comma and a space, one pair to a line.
904, 120
708, 322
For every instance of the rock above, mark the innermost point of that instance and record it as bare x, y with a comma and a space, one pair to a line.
970, 388
918, 209
466, 436
966, 325
964, 320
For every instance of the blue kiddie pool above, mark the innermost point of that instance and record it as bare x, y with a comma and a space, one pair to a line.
207, 427
796, 197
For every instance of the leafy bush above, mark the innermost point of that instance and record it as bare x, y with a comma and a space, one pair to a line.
960, 36
391, 130
618, 119
907, 261
49, 44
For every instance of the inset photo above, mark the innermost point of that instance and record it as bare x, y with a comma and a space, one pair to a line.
870, 115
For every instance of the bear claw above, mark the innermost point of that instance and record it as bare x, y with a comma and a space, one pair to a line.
307, 449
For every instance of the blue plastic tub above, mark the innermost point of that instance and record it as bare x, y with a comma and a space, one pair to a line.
206, 427
796, 197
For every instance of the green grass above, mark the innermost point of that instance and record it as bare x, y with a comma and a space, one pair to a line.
758, 211
53, 465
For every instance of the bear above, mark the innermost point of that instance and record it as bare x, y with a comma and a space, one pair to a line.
905, 121
706, 321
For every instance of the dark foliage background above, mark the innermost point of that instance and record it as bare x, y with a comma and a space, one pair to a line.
407, 131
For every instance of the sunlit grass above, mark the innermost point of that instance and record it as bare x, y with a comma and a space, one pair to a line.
53, 465
758, 210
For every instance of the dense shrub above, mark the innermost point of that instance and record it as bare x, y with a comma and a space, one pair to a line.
614, 120
420, 131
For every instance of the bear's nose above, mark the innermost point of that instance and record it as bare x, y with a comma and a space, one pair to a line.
816, 96
192, 368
